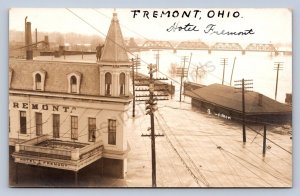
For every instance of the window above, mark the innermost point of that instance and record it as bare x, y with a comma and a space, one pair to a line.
10, 76
23, 122
73, 84
56, 125
38, 123
108, 83
38, 81
112, 132
74, 79
92, 129
122, 84
74, 127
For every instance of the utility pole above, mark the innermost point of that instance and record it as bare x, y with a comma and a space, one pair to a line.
133, 89
151, 107
157, 60
264, 140
243, 103
182, 72
197, 73
244, 85
278, 66
135, 64
190, 62
232, 70
224, 62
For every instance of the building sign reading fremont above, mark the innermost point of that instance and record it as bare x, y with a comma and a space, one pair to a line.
36, 106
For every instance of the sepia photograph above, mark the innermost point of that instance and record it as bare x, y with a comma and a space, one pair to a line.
150, 98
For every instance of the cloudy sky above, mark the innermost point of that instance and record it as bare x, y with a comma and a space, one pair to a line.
269, 25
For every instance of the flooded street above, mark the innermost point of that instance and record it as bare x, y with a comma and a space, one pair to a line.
201, 150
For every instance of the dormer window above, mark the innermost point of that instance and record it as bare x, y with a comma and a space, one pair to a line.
10, 76
108, 84
39, 80
74, 82
122, 84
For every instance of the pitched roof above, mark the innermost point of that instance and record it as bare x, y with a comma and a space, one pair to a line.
114, 51
229, 97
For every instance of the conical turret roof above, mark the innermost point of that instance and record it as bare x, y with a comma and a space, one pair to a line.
114, 51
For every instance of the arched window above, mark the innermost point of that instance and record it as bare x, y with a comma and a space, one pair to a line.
73, 83
108, 83
74, 79
122, 84
38, 81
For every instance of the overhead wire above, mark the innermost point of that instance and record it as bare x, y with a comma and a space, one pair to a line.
255, 166
146, 62
124, 48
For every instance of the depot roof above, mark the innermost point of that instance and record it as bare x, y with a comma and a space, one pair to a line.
231, 99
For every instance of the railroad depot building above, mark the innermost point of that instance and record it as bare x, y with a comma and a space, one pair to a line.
226, 101
68, 115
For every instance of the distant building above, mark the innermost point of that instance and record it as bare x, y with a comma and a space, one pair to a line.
227, 101
289, 98
67, 115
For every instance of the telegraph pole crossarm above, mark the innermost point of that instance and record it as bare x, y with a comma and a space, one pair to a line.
182, 72
151, 107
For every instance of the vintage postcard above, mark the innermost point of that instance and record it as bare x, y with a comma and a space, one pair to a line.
193, 97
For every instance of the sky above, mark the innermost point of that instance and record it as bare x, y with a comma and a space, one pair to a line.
269, 25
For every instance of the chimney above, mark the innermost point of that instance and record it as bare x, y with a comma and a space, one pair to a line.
36, 38
260, 97
28, 41
46, 41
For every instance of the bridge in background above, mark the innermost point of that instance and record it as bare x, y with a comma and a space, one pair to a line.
192, 45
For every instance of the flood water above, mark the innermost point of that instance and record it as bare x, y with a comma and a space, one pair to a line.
202, 150
258, 66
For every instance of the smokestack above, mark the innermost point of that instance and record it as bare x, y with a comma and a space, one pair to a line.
260, 97
36, 38
28, 41
46, 40
25, 31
